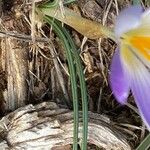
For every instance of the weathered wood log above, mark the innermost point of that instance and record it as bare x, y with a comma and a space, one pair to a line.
46, 126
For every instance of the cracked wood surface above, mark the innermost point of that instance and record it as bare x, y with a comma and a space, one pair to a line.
46, 126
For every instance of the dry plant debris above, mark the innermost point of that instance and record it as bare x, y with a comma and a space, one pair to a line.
46, 73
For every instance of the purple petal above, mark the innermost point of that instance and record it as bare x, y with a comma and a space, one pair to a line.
141, 90
119, 81
128, 19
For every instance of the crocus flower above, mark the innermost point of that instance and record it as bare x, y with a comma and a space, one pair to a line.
130, 67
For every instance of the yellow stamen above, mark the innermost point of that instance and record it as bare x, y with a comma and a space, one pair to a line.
142, 44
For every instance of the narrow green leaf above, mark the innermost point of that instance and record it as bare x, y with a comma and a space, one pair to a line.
72, 52
145, 144
60, 34
68, 2
83, 87
136, 2
83, 91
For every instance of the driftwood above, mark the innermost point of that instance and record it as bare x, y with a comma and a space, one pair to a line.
46, 126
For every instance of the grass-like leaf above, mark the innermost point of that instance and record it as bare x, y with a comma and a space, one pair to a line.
136, 2
68, 47
145, 144
72, 51
72, 56
68, 1
83, 90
